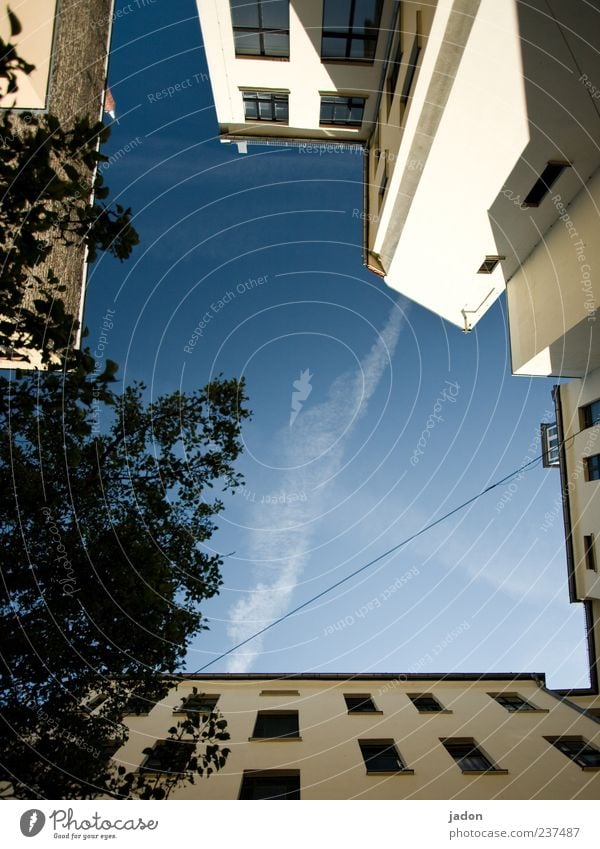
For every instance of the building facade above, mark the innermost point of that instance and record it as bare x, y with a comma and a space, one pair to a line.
478, 120
371, 736
68, 42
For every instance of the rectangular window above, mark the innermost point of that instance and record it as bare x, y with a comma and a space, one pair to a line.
168, 756
576, 748
360, 704
341, 111
270, 784
412, 64
589, 552
383, 184
544, 183
96, 701
468, 756
426, 703
590, 414
137, 706
394, 66
381, 756
276, 724
350, 30
198, 703
261, 28
592, 467
270, 106
489, 264
512, 702
550, 445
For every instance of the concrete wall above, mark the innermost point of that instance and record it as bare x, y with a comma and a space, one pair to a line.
329, 758
553, 296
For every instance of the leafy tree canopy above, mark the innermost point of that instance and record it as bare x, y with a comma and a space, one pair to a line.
104, 563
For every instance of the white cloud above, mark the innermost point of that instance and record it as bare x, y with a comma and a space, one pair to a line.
320, 431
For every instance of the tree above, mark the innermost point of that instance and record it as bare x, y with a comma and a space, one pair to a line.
103, 563
51, 192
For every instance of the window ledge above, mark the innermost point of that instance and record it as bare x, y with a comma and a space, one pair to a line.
390, 772
263, 58
484, 771
274, 739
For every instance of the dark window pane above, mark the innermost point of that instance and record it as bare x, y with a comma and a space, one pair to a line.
247, 43
276, 725
360, 704
276, 44
365, 15
333, 48
251, 109
593, 467
336, 14
380, 757
426, 703
270, 787
468, 757
244, 13
281, 111
591, 414
265, 110
276, 14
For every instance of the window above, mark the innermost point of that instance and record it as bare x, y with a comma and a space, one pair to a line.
342, 111
426, 703
383, 184
261, 28
468, 756
169, 756
360, 704
350, 29
489, 264
276, 724
592, 467
96, 701
586, 756
394, 69
138, 706
412, 64
543, 184
590, 414
198, 703
381, 756
589, 552
268, 106
271, 784
550, 445
512, 702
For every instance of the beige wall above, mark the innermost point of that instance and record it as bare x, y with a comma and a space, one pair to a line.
34, 45
584, 496
328, 755
553, 296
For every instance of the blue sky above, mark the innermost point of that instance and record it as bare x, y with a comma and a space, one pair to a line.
263, 253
